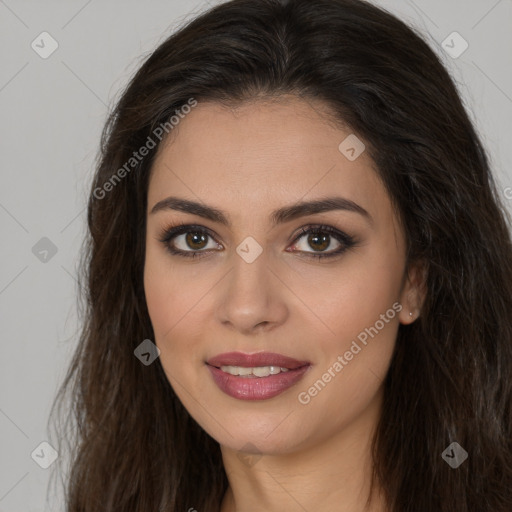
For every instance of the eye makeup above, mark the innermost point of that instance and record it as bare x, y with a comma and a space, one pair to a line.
317, 234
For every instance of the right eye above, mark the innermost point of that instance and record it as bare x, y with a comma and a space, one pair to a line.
192, 239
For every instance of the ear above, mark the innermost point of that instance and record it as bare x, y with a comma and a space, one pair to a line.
413, 292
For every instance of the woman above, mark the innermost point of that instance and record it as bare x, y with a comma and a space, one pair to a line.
298, 278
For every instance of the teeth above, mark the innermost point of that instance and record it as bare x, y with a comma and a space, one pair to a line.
258, 371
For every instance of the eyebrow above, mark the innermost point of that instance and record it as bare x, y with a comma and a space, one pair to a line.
278, 216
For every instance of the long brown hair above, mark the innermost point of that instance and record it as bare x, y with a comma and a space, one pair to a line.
133, 446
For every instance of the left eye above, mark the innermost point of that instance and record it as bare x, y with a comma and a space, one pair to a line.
320, 241
321, 238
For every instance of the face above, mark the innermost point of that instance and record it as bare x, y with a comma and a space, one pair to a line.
323, 285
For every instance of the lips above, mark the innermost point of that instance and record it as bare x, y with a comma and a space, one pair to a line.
252, 360
256, 388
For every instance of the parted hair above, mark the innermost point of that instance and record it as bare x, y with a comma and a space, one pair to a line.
132, 445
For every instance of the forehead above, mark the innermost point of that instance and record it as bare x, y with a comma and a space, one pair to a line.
262, 153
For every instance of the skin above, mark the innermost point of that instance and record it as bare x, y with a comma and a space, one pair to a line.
247, 162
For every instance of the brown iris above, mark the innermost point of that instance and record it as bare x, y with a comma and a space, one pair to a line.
193, 238
316, 239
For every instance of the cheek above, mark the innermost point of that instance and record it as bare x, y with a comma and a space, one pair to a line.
162, 299
176, 303
359, 323
160, 293
170, 293
353, 298
359, 320
352, 366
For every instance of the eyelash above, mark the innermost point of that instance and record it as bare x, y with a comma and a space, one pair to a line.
167, 234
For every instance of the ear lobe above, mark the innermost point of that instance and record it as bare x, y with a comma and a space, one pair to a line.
413, 292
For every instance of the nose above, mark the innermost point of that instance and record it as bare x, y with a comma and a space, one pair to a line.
252, 297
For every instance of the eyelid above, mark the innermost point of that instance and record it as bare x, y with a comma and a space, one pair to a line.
323, 228
345, 240
174, 230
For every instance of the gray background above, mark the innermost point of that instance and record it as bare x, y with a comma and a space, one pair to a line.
53, 110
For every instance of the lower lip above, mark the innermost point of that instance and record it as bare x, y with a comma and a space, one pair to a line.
256, 388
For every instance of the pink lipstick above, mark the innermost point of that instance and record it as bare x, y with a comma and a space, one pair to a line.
257, 376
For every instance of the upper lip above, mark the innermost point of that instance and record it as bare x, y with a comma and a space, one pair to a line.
254, 360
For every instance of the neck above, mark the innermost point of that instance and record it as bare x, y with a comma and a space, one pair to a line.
332, 474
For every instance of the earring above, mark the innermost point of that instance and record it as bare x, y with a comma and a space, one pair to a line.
410, 314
